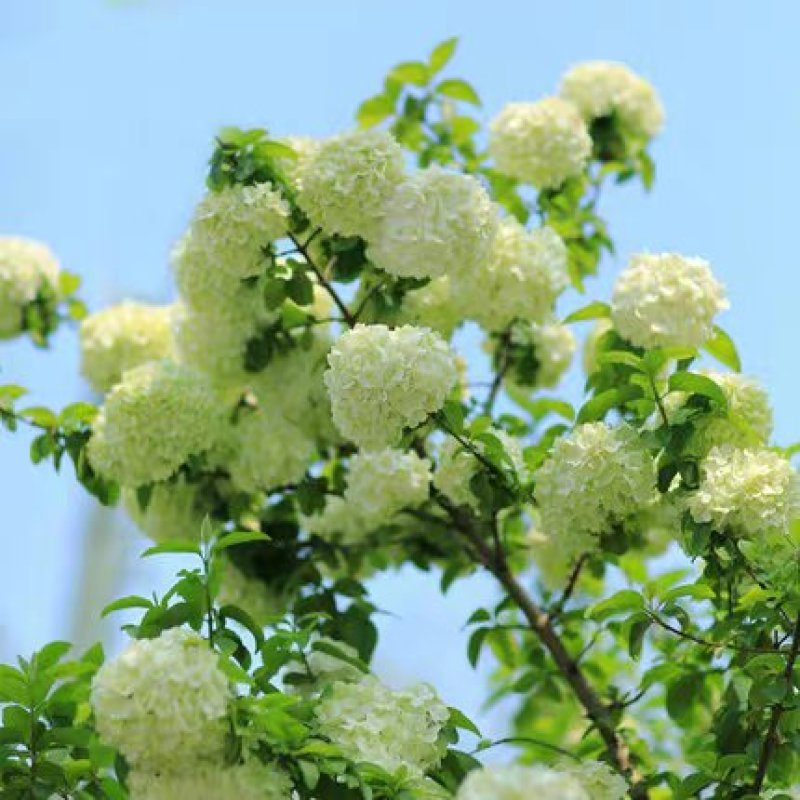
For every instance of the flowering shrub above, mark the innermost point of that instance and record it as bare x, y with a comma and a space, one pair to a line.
303, 418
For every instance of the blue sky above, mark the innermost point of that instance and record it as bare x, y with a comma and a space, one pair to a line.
107, 114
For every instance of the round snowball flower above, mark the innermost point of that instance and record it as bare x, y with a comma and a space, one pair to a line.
523, 278
432, 306
250, 594
26, 269
395, 730
748, 491
122, 337
163, 702
345, 182
339, 521
517, 782
666, 300
435, 223
602, 88
554, 345
175, 510
157, 416
326, 668
382, 482
597, 778
542, 143
594, 478
250, 781
381, 381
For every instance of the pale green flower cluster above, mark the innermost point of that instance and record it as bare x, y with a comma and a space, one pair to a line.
601, 88
435, 223
163, 702
748, 491
594, 478
381, 381
157, 416
328, 668
26, 268
598, 779
345, 182
666, 300
517, 782
248, 593
395, 730
432, 306
252, 780
339, 521
554, 345
382, 482
124, 336
457, 466
542, 143
175, 510
522, 279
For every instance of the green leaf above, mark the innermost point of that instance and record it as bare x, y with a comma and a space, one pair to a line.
131, 601
414, 72
596, 408
441, 54
622, 357
722, 347
622, 602
458, 89
595, 310
694, 383
475, 645
68, 283
460, 720
374, 111
174, 546
237, 538
41, 416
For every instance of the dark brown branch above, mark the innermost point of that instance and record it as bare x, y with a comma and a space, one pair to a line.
504, 362
569, 589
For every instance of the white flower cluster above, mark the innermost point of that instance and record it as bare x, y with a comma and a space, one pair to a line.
554, 345
344, 183
665, 300
338, 521
395, 730
163, 702
457, 466
326, 668
542, 143
522, 279
748, 491
151, 422
248, 593
432, 306
249, 781
601, 88
597, 778
435, 223
517, 782
382, 482
381, 381
595, 477
26, 268
124, 336
175, 510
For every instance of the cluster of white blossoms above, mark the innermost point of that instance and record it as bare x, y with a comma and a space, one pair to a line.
602, 88
175, 510
594, 478
122, 337
252, 780
666, 300
338, 521
158, 415
326, 668
748, 491
527, 271
345, 182
457, 466
517, 782
432, 306
395, 730
542, 143
436, 223
381, 381
554, 346
250, 594
163, 703
27, 267
380, 483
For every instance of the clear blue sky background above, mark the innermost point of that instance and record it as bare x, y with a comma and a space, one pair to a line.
106, 118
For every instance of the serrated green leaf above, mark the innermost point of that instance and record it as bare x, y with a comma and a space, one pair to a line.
441, 54
694, 383
599, 405
458, 89
374, 111
175, 546
623, 602
414, 72
237, 538
723, 348
594, 310
131, 601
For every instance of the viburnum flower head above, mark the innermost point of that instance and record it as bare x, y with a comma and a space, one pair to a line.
432, 306
382, 482
326, 666
554, 346
395, 730
124, 336
748, 491
598, 779
542, 143
249, 593
27, 268
381, 381
601, 88
345, 182
158, 415
175, 510
523, 278
338, 521
163, 702
595, 477
517, 782
435, 223
252, 780
666, 300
